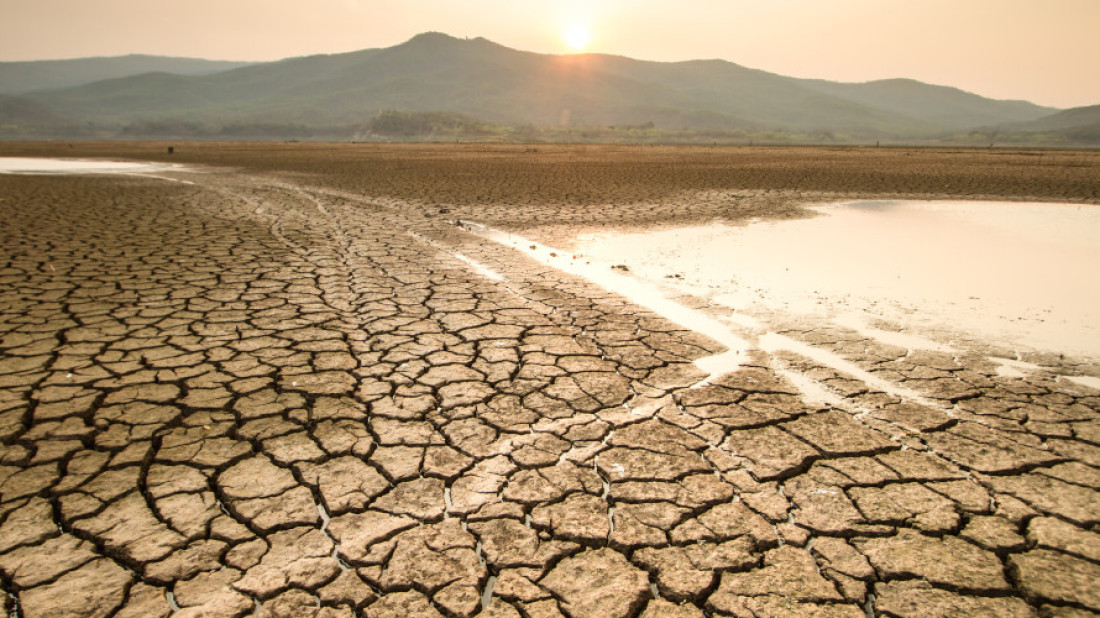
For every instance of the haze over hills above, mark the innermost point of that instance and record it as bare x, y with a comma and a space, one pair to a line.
1077, 118
454, 85
1079, 125
22, 77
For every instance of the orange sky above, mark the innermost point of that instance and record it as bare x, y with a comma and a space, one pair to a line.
1045, 51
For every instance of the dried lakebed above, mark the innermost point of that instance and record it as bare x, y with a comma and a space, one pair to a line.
249, 395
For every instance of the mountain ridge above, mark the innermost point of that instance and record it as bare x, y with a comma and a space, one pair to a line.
21, 77
495, 84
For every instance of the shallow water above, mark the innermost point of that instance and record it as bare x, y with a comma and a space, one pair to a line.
641, 292
1018, 274
29, 165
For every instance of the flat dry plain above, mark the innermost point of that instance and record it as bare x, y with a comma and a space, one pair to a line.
276, 389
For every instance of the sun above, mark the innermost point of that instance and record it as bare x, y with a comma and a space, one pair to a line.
577, 37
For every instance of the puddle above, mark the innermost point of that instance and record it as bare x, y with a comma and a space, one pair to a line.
29, 165
837, 277
479, 268
858, 322
1089, 381
643, 293
774, 342
1011, 368
1011, 273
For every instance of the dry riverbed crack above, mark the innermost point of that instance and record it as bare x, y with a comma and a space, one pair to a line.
251, 395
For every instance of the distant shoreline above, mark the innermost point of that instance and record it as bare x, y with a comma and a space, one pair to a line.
568, 178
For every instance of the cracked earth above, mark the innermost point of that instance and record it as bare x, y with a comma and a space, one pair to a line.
252, 396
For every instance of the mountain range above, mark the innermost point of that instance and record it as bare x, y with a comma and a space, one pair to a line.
21, 77
478, 83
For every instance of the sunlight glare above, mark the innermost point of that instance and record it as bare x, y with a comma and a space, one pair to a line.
577, 37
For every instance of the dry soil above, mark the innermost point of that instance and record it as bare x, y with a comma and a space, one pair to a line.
280, 387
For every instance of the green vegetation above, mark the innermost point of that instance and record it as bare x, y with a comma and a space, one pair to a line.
392, 123
389, 126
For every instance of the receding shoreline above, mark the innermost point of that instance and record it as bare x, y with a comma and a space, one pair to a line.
593, 174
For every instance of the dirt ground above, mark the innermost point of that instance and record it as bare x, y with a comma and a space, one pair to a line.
290, 385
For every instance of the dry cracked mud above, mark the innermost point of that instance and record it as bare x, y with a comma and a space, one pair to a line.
251, 393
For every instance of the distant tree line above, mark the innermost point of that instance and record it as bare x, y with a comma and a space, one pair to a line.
392, 123
22, 119
172, 127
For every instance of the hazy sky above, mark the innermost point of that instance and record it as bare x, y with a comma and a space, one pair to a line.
1045, 51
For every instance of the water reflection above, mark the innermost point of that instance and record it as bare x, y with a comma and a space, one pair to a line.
1010, 273
32, 165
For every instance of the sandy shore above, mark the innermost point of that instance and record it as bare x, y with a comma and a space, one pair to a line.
298, 387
